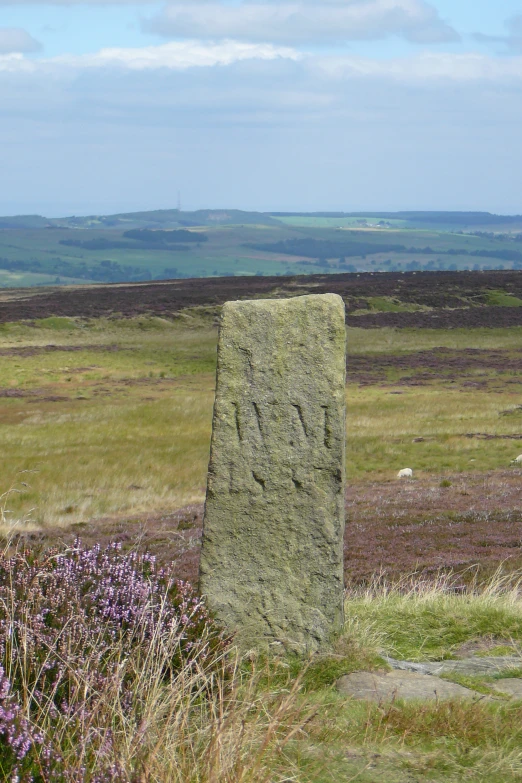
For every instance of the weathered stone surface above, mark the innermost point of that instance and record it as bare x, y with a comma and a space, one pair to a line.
474, 666
272, 551
511, 686
372, 686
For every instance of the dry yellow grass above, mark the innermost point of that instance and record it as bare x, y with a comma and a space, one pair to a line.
382, 428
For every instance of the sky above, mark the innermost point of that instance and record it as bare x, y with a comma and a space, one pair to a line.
301, 105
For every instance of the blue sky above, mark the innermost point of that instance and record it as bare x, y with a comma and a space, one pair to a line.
260, 104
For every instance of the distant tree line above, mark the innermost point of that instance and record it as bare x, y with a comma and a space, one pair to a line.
164, 237
142, 239
21, 266
326, 248
105, 271
99, 243
23, 221
109, 244
322, 249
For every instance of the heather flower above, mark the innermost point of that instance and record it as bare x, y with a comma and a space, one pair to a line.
75, 625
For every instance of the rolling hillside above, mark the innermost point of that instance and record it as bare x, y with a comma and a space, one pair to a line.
169, 244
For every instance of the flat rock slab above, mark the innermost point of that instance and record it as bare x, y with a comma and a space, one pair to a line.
474, 666
409, 686
272, 547
510, 685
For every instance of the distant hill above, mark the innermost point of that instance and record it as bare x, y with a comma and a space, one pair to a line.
24, 221
173, 244
174, 218
167, 218
159, 218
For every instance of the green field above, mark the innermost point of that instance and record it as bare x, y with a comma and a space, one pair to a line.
34, 251
340, 222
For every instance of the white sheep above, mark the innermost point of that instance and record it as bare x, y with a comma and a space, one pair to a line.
517, 460
406, 473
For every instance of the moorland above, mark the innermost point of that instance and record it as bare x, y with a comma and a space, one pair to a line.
170, 244
106, 397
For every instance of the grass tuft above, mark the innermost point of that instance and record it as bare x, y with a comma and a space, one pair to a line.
430, 620
502, 299
56, 323
461, 723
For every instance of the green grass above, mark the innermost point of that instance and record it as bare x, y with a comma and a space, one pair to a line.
30, 279
275, 720
474, 683
132, 403
386, 304
131, 408
333, 222
503, 299
382, 428
432, 622
384, 419
57, 323
397, 341
397, 741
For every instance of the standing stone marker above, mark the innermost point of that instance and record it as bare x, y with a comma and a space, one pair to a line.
272, 552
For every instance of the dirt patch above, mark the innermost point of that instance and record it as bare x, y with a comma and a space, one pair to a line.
488, 436
16, 393
393, 528
51, 398
38, 350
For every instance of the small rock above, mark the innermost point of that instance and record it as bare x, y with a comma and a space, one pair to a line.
511, 686
475, 665
379, 687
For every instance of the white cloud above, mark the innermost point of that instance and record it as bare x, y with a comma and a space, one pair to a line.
260, 126
512, 41
75, 2
172, 56
304, 21
14, 39
427, 67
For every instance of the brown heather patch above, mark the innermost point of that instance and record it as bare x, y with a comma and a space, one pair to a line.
468, 367
455, 299
395, 527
